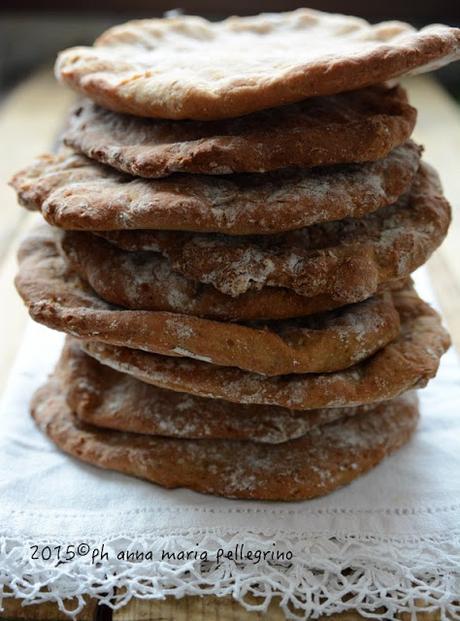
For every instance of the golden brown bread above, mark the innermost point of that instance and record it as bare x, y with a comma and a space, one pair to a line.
186, 67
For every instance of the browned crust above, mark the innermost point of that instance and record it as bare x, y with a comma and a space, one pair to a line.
382, 246
108, 73
316, 464
406, 363
58, 298
103, 397
357, 126
149, 283
73, 192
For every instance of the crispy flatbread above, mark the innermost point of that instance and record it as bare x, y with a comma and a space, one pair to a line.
317, 463
357, 126
187, 67
61, 300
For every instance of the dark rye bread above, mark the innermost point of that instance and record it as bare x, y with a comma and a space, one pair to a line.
103, 397
408, 362
347, 259
357, 126
319, 462
57, 297
73, 192
327, 265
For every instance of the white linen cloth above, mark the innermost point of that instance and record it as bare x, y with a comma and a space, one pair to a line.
391, 539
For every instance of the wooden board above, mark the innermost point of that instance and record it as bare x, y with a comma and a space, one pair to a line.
14, 609
29, 121
208, 608
438, 129
30, 118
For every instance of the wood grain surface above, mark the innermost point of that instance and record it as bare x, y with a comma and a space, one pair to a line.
29, 122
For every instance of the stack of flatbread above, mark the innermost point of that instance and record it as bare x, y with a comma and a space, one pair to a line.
232, 222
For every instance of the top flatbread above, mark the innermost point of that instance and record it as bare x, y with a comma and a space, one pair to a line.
189, 68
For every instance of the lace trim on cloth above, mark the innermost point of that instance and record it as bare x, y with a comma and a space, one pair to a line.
312, 576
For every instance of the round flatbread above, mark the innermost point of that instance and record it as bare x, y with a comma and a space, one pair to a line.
103, 397
58, 298
315, 464
187, 67
358, 126
382, 246
73, 192
146, 281
407, 362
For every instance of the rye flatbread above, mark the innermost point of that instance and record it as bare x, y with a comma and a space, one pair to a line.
187, 67
58, 298
319, 462
408, 362
358, 126
347, 259
146, 281
103, 397
73, 192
